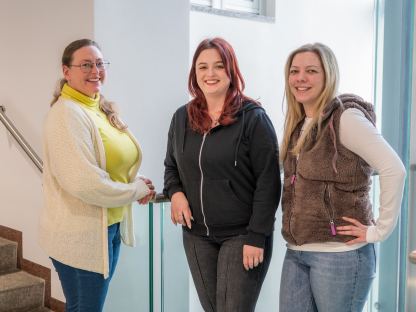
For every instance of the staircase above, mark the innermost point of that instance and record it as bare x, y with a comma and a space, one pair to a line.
19, 290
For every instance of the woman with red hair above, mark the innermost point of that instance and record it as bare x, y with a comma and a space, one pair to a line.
222, 176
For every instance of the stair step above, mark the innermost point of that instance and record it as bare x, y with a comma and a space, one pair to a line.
8, 256
20, 292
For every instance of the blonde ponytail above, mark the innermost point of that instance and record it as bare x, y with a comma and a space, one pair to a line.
58, 90
110, 110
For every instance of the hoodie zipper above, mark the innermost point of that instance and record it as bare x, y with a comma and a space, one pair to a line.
202, 182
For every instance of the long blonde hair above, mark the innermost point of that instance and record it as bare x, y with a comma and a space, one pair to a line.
295, 112
109, 108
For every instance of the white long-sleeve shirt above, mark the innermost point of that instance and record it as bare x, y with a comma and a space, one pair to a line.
359, 135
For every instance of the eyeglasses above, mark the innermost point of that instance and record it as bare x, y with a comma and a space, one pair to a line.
87, 67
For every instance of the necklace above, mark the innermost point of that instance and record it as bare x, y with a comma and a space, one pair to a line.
215, 117
214, 121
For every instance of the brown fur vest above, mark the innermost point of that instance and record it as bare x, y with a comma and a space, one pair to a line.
327, 182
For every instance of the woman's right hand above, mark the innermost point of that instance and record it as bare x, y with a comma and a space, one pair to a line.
152, 192
180, 211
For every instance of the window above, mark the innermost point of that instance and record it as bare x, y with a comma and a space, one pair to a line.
203, 2
251, 7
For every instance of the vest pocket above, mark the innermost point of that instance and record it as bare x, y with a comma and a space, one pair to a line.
330, 210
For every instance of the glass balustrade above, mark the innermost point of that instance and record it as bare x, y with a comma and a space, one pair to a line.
154, 275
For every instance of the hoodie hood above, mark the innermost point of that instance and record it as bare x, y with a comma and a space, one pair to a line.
246, 107
343, 102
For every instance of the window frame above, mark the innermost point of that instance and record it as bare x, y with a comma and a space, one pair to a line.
246, 6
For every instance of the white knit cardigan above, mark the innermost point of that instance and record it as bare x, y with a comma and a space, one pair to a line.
77, 191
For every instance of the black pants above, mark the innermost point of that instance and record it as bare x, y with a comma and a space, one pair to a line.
222, 283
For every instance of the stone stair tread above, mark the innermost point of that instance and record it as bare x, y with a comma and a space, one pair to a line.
21, 291
8, 256
18, 279
4, 242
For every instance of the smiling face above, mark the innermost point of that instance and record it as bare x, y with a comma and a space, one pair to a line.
87, 83
306, 79
211, 75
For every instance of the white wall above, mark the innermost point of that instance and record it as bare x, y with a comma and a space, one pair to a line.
344, 25
33, 35
147, 43
347, 26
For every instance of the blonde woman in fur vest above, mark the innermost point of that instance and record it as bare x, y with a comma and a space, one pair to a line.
329, 151
89, 180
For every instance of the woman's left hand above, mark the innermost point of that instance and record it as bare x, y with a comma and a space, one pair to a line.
252, 256
356, 229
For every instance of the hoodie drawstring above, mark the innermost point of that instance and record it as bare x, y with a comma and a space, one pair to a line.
184, 136
334, 141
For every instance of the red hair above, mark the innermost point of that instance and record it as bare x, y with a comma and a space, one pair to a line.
199, 119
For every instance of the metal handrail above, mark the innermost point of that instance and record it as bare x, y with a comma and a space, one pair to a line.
20, 139
160, 198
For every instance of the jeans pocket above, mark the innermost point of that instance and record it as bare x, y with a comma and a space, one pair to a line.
367, 257
373, 247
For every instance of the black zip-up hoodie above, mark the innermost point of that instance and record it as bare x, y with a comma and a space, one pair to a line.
230, 175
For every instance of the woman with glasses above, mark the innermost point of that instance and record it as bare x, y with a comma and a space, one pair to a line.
330, 148
89, 179
222, 176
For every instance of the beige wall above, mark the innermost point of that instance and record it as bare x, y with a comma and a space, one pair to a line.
32, 35
147, 44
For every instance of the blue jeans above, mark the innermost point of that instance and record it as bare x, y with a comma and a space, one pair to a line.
327, 281
85, 291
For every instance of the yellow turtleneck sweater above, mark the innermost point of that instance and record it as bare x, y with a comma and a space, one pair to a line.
120, 151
